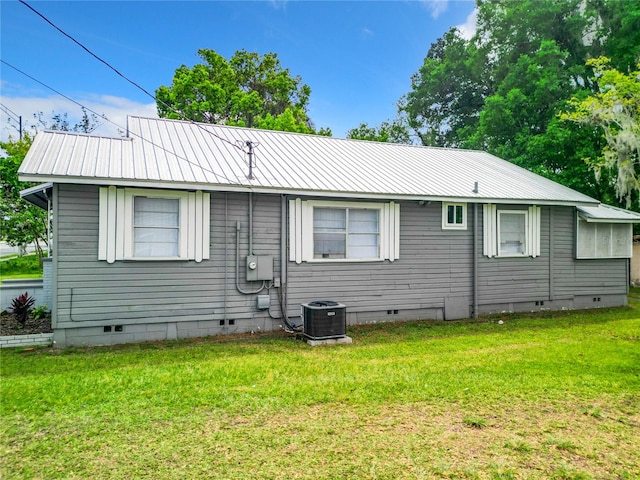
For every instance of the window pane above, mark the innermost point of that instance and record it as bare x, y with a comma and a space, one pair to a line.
363, 234
329, 219
450, 214
363, 246
155, 242
156, 227
363, 221
512, 233
459, 214
329, 232
156, 212
329, 245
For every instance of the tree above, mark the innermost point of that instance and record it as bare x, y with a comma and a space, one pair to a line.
615, 111
60, 121
21, 223
247, 90
502, 90
395, 131
447, 92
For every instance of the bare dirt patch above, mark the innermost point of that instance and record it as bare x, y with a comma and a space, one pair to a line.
9, 325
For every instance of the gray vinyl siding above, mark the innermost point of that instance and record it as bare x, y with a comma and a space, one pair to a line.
432, 278
573, 277
434, 264
515, 280
128, 292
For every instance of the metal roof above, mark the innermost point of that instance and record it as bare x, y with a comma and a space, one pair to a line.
608, 214
185, 155
38, 195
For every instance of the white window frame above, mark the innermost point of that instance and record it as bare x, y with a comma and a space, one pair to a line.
491, 230
604, 227
525, 250
301, 231
446, 225
116, 224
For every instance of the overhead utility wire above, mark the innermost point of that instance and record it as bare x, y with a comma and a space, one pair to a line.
217, 175
120, 74
9, 112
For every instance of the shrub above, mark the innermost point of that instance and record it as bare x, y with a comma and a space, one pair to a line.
39, 312
21, 306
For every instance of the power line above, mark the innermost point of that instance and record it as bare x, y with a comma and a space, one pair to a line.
9, 112
121, 74
217, 175
13, 116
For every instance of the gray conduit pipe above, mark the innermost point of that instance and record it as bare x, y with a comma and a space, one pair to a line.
244, 292
475, 260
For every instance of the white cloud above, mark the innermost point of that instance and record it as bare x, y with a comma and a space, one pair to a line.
279, 4
436, 7
115, 109
468, 28
367, 32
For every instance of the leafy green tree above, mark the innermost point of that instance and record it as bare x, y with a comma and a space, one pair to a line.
21, 223
619, 33
615, 111
247, 90
395, 131
447, 92
503, 89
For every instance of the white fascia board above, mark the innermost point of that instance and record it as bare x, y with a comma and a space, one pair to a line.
608, 220
230, 187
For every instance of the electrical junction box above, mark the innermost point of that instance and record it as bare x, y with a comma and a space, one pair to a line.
262, 302
259, 267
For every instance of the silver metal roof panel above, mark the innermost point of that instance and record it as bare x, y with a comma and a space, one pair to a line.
179, 154
608, 214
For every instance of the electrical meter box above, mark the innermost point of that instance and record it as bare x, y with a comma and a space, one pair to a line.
259, 267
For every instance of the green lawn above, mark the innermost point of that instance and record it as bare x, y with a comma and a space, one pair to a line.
550, 396
14, 267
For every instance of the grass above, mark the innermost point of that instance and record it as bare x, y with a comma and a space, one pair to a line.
555, 395
15, 267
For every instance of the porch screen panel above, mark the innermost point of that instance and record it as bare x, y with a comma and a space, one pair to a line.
621, 240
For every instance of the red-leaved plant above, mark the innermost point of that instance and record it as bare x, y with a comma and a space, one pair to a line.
21, 306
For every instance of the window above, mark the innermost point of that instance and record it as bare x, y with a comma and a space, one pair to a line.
346, 233
343, 231
146, 224
156, 227
511, 232
454, 216
603, 240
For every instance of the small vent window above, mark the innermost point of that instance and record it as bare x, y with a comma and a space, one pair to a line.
454, 216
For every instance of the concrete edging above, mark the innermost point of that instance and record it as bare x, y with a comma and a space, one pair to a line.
32, 340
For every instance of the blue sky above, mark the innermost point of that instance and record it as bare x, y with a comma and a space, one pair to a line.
357, 57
